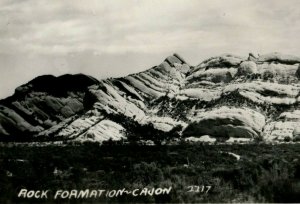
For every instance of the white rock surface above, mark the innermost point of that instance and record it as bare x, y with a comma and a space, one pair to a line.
224, 96
103, 131
227, 122
204, 138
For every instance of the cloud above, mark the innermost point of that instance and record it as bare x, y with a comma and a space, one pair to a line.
136, 34
142, 26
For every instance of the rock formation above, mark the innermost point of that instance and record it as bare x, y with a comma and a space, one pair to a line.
224, 97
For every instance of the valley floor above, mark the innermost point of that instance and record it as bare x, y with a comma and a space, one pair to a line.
236, 173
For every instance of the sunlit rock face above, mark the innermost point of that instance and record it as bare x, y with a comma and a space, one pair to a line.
43, 103
226, 122
222, 98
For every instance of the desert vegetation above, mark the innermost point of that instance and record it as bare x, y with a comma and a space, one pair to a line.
260, 173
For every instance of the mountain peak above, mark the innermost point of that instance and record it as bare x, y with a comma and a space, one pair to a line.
60, 84
174, 61
225, 96
175, 58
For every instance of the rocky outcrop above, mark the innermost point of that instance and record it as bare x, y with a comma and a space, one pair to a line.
224, 97
247, 68
216, 69
226, 122
280, 58
41, 104
284, 128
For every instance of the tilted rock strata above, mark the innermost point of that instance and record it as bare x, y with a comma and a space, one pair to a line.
223, 97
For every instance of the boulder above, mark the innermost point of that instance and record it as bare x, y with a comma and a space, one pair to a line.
277, 57
247, 68
296, 134
227, 122
253, 57
223, 61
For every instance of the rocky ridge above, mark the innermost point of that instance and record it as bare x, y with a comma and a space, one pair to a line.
227, 98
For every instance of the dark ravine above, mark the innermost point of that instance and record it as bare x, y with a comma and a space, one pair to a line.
223, 98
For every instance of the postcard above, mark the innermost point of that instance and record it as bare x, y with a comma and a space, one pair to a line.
150, 101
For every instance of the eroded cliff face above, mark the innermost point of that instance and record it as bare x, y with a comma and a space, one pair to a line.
224, 97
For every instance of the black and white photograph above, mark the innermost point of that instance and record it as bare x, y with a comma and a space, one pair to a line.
149, 101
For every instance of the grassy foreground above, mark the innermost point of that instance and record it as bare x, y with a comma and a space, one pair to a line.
263, 173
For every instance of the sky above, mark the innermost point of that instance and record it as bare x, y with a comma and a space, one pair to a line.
112, 38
